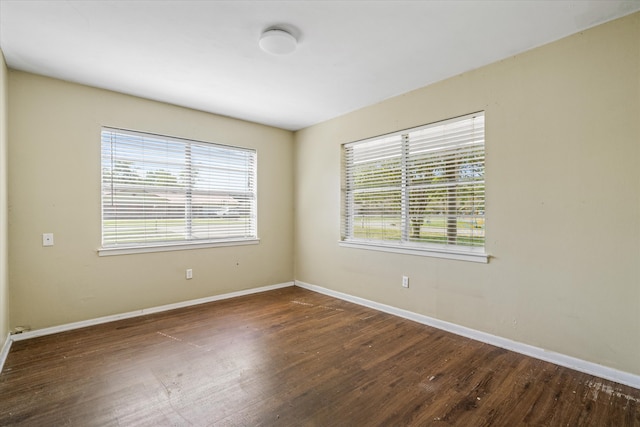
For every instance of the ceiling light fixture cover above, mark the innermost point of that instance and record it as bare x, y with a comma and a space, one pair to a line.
278, 42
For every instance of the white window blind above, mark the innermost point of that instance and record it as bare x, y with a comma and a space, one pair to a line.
422, 188
161, 191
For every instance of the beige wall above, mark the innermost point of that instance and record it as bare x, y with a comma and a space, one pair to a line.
563, 200
54, 186
563, 203
4, 256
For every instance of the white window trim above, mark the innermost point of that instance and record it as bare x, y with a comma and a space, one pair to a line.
167, 247
473, 254
183, 244
460, 253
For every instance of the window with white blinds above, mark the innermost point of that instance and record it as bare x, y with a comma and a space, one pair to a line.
160, 191
417, 190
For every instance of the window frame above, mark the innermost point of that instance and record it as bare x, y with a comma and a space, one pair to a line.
403, 245
189, 215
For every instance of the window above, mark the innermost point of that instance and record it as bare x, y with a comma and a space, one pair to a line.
419, 191
160, 193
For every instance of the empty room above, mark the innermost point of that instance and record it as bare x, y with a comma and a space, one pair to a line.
319, 213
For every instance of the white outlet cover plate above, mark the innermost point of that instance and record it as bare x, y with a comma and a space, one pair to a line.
405, 281
47, 239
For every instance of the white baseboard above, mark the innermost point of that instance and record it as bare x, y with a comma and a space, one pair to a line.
526, 349
142, 312
4, 352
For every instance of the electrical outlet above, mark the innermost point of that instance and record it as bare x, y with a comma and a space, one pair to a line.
47, 239
405, 281
189, 274
21, 329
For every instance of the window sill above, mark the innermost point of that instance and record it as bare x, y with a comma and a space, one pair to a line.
472, 255
165, 247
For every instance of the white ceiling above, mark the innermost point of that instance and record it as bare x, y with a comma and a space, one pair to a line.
205, 54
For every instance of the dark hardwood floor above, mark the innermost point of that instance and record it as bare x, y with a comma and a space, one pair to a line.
292, 357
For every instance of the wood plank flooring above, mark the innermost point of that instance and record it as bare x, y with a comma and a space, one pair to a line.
292, 357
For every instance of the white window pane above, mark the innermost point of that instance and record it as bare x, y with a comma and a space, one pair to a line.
159, 189
422, 186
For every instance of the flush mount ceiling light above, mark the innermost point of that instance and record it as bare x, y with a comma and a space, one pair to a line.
278, 41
